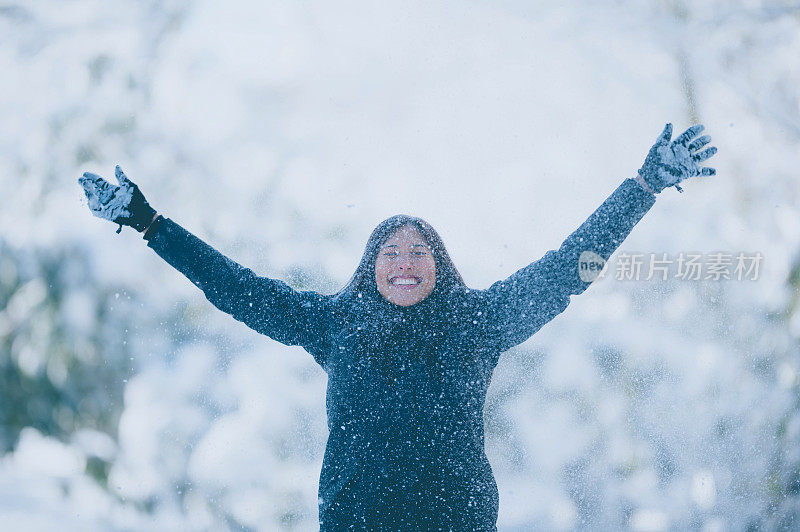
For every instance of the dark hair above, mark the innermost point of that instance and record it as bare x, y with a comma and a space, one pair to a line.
363, 280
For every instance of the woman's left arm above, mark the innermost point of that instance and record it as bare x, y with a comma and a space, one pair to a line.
523, 303
520, 305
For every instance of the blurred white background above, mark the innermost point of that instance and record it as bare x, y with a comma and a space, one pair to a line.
282, 134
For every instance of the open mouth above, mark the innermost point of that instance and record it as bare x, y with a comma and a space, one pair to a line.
405, 281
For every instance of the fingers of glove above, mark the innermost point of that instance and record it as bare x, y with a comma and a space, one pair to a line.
91, 183
96, 183
91, 178
689, 134
665, 135
122, 179
88, 189
94, 194
699, 142
705, 154
708, 171
102, 191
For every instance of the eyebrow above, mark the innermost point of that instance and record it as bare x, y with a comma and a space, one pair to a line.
412, 245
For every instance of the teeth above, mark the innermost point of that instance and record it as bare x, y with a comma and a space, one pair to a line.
405, 281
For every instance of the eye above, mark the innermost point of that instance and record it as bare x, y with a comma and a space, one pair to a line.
390, 253
420, 253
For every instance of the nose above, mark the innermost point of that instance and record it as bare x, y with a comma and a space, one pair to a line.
404, 261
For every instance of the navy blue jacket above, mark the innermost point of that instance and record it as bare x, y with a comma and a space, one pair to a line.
406, 385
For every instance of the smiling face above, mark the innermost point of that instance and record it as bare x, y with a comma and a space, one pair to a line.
405, 270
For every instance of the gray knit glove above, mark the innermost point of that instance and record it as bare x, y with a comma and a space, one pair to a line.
123, 204
669, 163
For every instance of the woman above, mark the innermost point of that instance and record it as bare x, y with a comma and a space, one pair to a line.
409, 350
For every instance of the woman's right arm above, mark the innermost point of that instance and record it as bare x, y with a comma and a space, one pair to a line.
266, 305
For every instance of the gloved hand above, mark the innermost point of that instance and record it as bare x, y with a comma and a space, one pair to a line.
123, 204
669, 163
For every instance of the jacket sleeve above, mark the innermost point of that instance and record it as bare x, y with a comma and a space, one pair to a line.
268, 306
523, 303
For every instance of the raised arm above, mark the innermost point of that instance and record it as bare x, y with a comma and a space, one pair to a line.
266, 305
520, 305
523, 303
